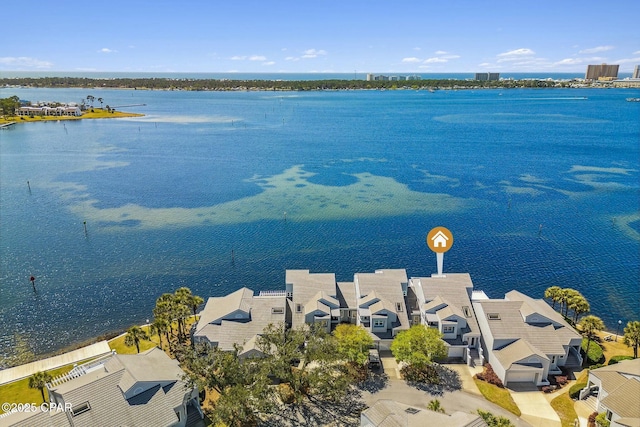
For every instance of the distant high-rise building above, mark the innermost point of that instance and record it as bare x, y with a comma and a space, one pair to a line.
602, 71
636, 72
483, 77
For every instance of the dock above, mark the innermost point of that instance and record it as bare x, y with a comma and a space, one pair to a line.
7, 125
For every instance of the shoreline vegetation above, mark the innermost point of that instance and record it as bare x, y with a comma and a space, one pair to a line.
288, 85
94, 113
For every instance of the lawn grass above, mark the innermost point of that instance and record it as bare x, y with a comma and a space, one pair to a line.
499, 396
120, 347
595, 354
614, 348
19, 391
563, 405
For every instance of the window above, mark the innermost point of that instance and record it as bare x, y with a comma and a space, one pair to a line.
277, 310
448, 329
364, 318
412, 411
493, 316
298, 308
81, 408
379, 323
398, 306
467, 311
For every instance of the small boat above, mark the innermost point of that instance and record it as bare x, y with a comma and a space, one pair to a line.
633, 99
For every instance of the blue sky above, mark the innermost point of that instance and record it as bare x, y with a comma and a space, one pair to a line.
320, 36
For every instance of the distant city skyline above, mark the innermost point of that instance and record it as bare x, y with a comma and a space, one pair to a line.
285, 36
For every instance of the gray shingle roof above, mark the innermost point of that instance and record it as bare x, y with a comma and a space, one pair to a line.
387, 285
305, 286
226, 333
511, 325
162, 391
624, 400
454, 290
516, 352
347, 295
389, 413
217, 308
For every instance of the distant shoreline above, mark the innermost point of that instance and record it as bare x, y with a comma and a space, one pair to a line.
189, 84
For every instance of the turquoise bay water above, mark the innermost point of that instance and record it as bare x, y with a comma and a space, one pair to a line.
539, 187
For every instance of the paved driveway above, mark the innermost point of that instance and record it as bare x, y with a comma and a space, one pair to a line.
535, 406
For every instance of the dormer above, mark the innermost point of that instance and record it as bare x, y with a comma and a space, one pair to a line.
242, 314
434, 305
369, 300
533, 317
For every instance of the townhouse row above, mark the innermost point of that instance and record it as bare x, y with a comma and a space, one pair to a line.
524, 339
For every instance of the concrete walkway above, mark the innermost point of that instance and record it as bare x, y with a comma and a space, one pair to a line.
23, 371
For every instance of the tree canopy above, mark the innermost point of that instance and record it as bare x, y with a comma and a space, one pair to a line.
8, 105
418, 345
353, 343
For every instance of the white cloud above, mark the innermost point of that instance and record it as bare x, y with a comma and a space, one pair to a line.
596, 49
569, 61
627, 60
248, 58
417, 48
269, 63
107, 50
515, 55
411, 59
24, 61
441, 58
440, 52
637, 52
313, 53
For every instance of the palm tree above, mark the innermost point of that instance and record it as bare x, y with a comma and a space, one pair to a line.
565, 295
579, 305
135, 334
196, 301
589, 325
100, 101
39, 380
91, 98
185, 299
553, 293
434, 405
160, 326
632, 336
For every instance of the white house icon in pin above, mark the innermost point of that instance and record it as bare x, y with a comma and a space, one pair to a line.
439, 240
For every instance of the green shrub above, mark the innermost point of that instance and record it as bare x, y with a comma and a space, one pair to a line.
602, 420
595, 352
493, 420
581, 382
616, 359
